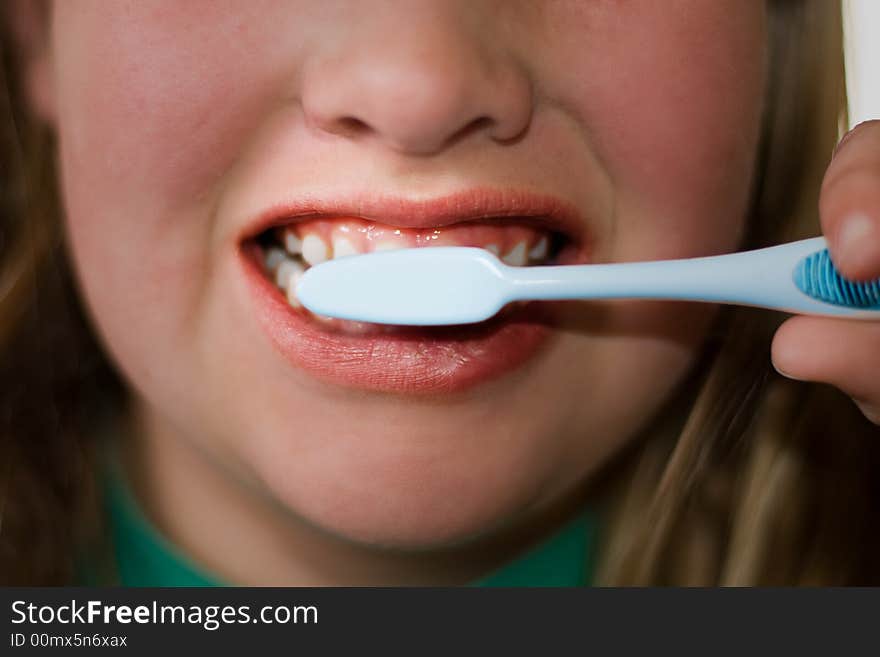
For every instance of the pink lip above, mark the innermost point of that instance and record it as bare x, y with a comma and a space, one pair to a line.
418, 360
548, 212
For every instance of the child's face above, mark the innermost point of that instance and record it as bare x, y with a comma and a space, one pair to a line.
181, 122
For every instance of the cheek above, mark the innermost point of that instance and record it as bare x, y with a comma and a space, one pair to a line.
139, 304
151, 117
138, 80
622, 362
669, 98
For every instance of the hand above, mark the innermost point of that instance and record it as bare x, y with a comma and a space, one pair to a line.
844, 353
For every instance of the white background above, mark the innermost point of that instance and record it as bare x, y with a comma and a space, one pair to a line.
861, 21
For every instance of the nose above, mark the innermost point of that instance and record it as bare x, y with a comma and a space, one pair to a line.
417, 87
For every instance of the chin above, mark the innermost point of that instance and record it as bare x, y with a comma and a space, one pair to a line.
405, 501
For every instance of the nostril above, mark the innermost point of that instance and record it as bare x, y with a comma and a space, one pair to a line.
480, 123
351, 125
341, 126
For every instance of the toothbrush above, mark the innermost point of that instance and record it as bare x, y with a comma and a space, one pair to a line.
462, 285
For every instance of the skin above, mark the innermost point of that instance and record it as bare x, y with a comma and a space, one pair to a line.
173, 118
837, 351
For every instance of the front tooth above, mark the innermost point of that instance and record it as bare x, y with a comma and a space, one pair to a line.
493, 248
274, 257
343, 247
285, 270
314, 249
291, 286
539, 251
517, 255
292, 243
387, 245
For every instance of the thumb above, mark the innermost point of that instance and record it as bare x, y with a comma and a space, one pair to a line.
849, 203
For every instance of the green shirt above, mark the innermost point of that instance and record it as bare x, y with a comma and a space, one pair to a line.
144, 557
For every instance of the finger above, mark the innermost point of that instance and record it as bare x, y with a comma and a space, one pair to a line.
841, 352
849, 203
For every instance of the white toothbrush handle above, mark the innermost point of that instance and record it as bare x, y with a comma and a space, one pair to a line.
762, 277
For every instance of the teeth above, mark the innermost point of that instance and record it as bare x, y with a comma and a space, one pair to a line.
292, 243
343, 247
285, 270
314, 250
539, 251
291, 286
387, 246
274, 257
517, 255
287, 265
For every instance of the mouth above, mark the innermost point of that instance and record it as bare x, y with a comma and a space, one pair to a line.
522, 229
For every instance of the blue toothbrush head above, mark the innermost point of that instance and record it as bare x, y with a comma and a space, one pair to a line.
817, 277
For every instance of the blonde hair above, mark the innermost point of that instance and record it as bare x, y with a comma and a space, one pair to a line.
754, 479
750, 478
55, 381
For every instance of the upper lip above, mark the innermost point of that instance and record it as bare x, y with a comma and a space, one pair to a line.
542, 210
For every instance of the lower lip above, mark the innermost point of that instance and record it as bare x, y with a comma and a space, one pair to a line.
413, 361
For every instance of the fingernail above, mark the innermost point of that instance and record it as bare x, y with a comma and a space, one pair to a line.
785, 374
854, 233
843, 141
782, 353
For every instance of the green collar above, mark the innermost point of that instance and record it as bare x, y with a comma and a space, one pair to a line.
144, 557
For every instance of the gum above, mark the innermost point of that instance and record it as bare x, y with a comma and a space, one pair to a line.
366, 236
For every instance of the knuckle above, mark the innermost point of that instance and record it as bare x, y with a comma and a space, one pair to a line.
868, 125
850, 185
855, 151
